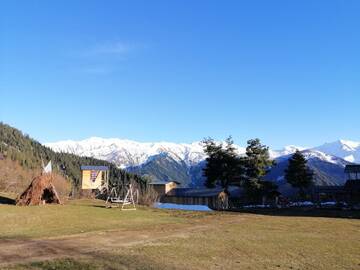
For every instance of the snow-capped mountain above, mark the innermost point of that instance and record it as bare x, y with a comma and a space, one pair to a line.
126, 153
310, 154
288, 150
184, 162
348, 150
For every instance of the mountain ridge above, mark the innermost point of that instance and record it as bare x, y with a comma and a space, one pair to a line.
128, 153
346, 149
183, 162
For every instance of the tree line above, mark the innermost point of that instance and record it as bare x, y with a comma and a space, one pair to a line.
225, 167
30, 154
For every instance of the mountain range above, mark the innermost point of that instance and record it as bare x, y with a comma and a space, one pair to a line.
165, 161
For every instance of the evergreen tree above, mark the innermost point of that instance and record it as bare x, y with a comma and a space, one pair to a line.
298, 174
234, 165
258, 164
212, 170
223, 164
258, 159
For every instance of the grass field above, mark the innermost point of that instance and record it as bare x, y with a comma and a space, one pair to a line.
85, 235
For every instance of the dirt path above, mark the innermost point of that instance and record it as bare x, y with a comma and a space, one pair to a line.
84, 245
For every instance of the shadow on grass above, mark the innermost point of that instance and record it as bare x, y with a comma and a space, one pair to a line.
5, 200
94, 260
98, 206
304, 212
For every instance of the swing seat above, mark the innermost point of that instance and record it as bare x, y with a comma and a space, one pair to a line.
116, 201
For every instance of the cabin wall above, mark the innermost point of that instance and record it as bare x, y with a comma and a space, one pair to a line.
163, 189
353, 176
160, 189
87, 183
211, 202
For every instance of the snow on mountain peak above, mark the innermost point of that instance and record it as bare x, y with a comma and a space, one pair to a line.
349, 145
287, 150
324, 157
127, 153
345, 149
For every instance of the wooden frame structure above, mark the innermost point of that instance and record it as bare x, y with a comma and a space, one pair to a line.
124, 196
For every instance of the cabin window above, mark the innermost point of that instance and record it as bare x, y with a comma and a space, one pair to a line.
354, 176
93, 176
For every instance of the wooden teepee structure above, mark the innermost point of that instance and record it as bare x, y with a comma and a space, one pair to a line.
40, 191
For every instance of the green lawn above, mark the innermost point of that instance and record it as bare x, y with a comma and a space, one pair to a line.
75, 217
196, 240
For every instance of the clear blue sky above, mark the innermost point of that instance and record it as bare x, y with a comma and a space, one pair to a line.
287, 72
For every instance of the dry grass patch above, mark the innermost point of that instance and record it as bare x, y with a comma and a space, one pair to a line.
100, 238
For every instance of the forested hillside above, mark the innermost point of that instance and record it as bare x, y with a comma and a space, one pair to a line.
29, 154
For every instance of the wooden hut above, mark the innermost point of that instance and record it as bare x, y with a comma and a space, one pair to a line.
214, 198
40, 191
163, 188
352, 185
349, 193
94, 177
352, 172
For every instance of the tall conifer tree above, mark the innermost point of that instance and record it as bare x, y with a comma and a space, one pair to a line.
258, 163
298, 174
223, 164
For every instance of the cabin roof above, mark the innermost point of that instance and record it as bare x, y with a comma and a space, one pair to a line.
328, 188
203, 192
163, 183
95, 168
352, 169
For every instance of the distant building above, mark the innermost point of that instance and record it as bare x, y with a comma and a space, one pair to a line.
94, 177
214, 198
349, 193
163, 188
352, 185
352, 172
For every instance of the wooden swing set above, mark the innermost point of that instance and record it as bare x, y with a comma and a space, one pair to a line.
125, 196
121, 195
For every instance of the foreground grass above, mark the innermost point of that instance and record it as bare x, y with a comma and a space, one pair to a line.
76, 217
229, 241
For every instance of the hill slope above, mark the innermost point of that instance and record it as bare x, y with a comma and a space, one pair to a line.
16, 146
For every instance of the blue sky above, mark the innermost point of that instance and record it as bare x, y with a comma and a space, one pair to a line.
287, 72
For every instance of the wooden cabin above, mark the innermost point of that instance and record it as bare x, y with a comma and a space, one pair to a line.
214, 198
94, 177
349, 193
352, 185
163, 188
352, 172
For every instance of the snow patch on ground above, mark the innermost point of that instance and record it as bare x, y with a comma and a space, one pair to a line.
299, 204
182, 207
